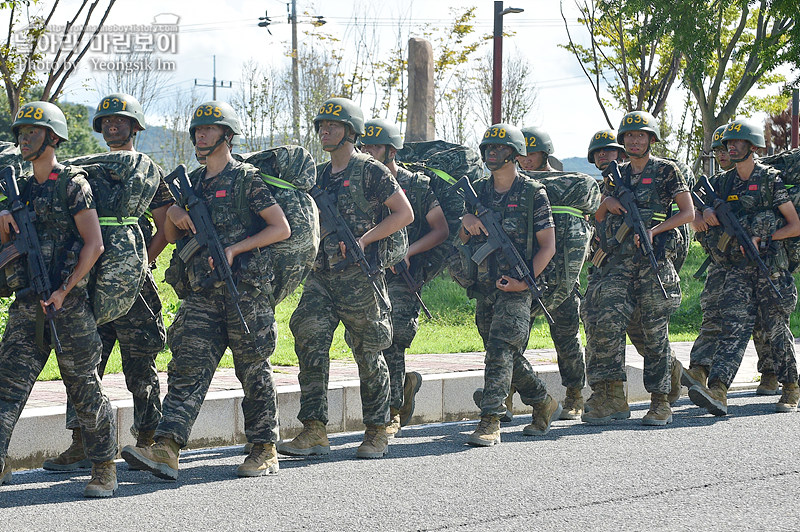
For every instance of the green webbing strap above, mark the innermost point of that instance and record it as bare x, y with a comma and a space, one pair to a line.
277, 182
564, 209
113, 220
659, 217
675, 209
444, 175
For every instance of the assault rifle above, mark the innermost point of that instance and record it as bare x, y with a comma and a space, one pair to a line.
633, 218
27, 243
404, 273
498, 240
700, 205
333, 222
733, 229
206, 235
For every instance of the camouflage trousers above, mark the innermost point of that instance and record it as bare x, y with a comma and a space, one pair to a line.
21, 362
405, 323
204, 326
503, 320
329, 298
620, 289
567, 340
141, 336
732, 302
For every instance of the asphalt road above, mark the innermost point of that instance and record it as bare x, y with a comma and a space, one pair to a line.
741, 472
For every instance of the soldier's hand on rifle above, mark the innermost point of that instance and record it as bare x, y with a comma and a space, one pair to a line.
649, 237
343, 247
473, 225
7, 221
181, 219
710, 217
614, 206
56, 299
229, 254
756, 242
405, 259
699, 225
509, 284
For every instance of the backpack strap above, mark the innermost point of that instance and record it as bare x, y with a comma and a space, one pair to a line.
356, 187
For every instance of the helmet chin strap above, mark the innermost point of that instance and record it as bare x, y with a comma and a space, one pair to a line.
118, 143
497, 165
749, 154
334, 147
544, 163
202, 153
45, 143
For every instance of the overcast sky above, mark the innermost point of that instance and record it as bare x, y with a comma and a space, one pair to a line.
228, 29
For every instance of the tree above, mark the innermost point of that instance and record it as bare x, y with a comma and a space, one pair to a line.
18, 65
630, 53
260, 103
779, 130
519, 93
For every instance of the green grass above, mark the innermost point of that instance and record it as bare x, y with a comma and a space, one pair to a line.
452, 329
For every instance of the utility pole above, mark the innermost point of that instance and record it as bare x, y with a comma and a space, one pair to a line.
497, 59
295, 77
222, 84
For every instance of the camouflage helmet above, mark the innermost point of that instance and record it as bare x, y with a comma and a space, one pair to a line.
42, 114
638, 121
119, 104
537, 139
215, 113
341, 110
505, 135
741, 129
382, 132
605, 138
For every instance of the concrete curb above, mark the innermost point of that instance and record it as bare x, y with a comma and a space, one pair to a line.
40, 432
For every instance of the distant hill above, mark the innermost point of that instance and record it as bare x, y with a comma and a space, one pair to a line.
581, 164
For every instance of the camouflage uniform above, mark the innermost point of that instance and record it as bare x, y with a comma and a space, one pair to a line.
346, 295
207, 321
21, 359
141, 336
503, 318
405, 307
737, 294
625, 283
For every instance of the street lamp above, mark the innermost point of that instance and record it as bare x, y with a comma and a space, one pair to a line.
497, 63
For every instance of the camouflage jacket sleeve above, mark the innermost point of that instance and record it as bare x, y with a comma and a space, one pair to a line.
79, 194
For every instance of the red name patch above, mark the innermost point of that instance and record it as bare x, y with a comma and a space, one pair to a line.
346, 183
647, 180
221, 193
513, 205
752, 187
53, 176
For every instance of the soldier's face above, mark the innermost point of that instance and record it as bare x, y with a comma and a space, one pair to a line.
533, 161
603, 156
115, 128
496, 155
30, 139
738, 148
378, 151
637, 142
331, 133
723, 159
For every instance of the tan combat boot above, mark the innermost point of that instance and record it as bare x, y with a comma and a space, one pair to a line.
375, 444
768, 384
544, 414
599, 391
573, 404
713, 398
104, 480
789, 399
5, 471
144, 439
675, 382
487, 433
72, 459
695, 376
394, 423
161, 459
262, 460
614, 406
660, 412
312, 440
411, 386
